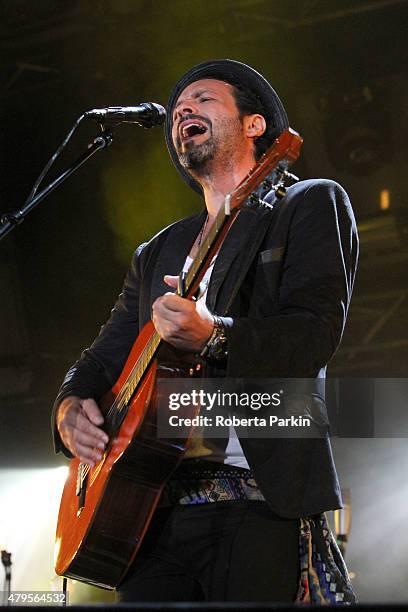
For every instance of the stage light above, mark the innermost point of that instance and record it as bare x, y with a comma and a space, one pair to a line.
29, 501
385, 199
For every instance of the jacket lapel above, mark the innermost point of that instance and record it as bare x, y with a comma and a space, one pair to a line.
236, 255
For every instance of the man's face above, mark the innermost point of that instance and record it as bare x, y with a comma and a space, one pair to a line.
206, 125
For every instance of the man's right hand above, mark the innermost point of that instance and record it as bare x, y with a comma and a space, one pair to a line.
78, 422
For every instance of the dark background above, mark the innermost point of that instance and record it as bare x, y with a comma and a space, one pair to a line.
340, 68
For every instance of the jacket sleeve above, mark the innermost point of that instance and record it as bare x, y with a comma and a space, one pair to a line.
100, 365
307, 320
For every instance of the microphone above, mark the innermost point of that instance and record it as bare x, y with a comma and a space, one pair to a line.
147, 114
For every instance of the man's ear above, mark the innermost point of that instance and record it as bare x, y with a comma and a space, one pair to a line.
254, 125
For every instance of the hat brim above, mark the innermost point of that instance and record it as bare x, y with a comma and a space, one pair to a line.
235, 73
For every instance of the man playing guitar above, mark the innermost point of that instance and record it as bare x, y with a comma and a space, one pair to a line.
286, 320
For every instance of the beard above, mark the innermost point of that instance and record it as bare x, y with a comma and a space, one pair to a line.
198, 159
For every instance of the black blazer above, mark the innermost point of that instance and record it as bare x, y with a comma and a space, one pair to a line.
295, 267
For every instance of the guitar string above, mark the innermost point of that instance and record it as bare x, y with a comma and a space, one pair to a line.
146, 355
137, 371
120, 401
140, 366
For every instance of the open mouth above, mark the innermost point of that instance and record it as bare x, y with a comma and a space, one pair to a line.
191, 129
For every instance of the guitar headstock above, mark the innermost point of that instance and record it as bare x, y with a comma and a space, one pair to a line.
270, 170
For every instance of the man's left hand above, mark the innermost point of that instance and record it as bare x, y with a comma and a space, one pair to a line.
177, 321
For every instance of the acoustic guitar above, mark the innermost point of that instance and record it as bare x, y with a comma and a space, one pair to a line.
105, 510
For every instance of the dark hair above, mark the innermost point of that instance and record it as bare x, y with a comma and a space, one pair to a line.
248, 103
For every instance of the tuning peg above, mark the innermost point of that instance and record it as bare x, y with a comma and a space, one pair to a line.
280, 190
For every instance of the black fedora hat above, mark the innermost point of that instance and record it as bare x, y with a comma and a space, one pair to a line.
235, 73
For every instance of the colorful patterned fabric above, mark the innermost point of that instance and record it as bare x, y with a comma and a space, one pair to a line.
323, 575
223, 486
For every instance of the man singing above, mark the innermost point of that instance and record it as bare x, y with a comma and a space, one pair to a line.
289, 268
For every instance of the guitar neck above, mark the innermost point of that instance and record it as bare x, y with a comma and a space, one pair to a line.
206, 252
285, 150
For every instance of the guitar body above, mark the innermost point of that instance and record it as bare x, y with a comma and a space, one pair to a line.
97, 543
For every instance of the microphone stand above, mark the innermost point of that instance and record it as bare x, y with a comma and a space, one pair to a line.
6, 561
10, 220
